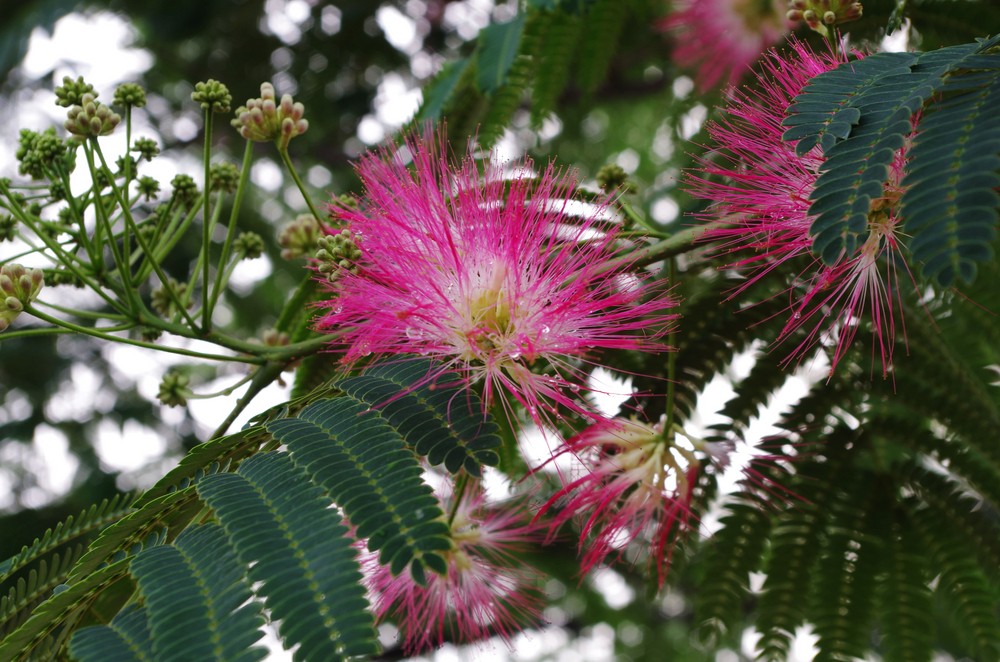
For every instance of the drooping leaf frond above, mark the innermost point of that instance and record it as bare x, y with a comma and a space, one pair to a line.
194, 594
86, 523
369, 472
126, 639
280, 524
444, 424
863, 112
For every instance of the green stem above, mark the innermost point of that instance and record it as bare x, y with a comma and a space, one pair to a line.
682, 242
262, 378
63, 257
130, 222
78, 217
202, 257
226, 391
100, 333
127, 292
206, 236
227, 246
287, 160
127, 164
87, 314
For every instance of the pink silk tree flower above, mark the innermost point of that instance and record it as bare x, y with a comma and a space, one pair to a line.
637, 487
501, 276
757, 182
721, 39
486, 592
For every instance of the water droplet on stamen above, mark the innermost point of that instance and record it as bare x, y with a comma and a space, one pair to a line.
797, 315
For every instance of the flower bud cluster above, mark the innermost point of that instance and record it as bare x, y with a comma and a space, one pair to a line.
163, 303
39, 152
129, 95
223, 176
174, 391
71, 92
250, 245
337, 253
184, 189
148, 187
8, 225
57, 277
91, 118
147, 148
18, 287
265, 119
212, 94
612, 177
821, 14
300, 237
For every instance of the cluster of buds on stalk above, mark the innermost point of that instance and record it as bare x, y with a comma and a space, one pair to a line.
19, 287
820, 15
300, 237
265, 119
91, 118
337, 252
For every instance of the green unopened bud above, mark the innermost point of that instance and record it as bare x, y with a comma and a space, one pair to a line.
184, 189
148, 187
300, 237
18, 288
8, 225
265, 119
820, 15
122, 160
150, 333
250, 244
612, 177
163, 303
129, 95
174, 391
57, 277
39, 153
337, 253
57, 190
146, 148
71, 92
213, 95
223, 177
91, 118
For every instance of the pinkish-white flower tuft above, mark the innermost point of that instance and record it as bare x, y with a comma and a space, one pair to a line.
721, 39
758, 183
490, 274
486, 592
638, 486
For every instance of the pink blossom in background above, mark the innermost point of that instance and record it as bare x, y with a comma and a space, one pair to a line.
721, 39
758, 182
637, 487
489, 273
486, 592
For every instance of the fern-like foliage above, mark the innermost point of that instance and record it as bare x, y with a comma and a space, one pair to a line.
181, 587
281, 523
370, 473
86, 523
527, 60
194, 597
863, 112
